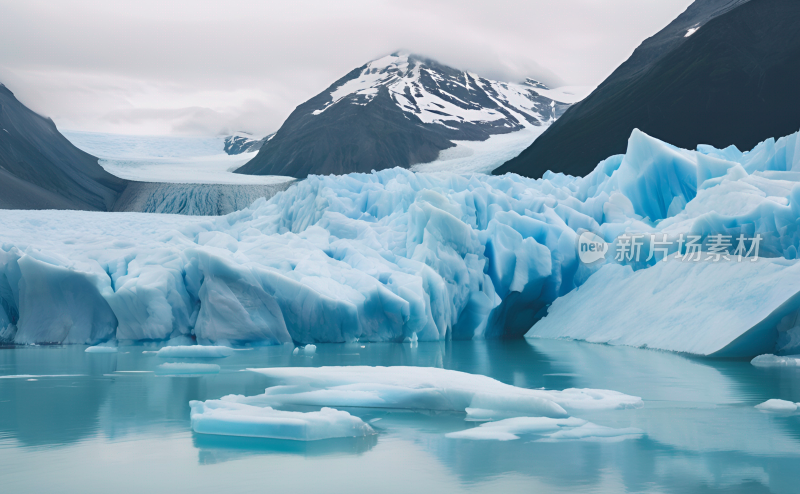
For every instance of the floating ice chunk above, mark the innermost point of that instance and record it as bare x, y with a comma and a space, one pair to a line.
483, 414
236, 419
594, 432
509, 429
34, 376
426, 388
102, 348
707, 308
181, 369
296, 351
769, 360
309, 349
196, 351
775, 405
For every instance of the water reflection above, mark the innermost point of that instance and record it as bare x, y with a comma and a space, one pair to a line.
217, 449
702, 432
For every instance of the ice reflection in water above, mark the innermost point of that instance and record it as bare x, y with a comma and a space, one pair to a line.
106, 426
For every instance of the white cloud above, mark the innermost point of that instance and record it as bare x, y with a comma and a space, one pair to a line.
213, 66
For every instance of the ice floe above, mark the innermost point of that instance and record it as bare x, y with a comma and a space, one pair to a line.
510, 429
426, 388
420, 389
102, 349
186, 369
230, 418
195, 351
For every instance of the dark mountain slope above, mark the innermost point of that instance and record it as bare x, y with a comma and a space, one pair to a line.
733, 80
41, 169
398, 111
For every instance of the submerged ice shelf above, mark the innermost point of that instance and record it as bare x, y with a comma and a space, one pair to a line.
425, 256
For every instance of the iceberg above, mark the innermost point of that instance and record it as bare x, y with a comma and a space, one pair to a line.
722, 309
402, 256
426, 388
779, 406
195, 351
236, 419
101, 349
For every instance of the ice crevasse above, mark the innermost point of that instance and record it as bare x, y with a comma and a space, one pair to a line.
390, 255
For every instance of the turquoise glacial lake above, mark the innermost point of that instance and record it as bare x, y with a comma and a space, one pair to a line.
76, 422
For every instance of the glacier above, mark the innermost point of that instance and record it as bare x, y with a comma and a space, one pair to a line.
177, 175
395, 254
193, 199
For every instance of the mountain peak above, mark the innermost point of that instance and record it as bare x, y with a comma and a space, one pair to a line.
399, 110
437, 93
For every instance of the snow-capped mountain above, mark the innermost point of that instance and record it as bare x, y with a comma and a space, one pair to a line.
242, 142
400, 110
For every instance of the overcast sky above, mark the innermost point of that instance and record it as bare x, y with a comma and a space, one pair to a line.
214, 67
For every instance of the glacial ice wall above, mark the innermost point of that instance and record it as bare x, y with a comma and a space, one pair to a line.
193, 199
379, 257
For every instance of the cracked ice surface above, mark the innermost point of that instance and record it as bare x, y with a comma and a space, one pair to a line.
391, 255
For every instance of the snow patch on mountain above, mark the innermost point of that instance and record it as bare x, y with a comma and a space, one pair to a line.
421, 87
242, 142
481, 156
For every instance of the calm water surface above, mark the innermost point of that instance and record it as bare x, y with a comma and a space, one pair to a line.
72, 422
